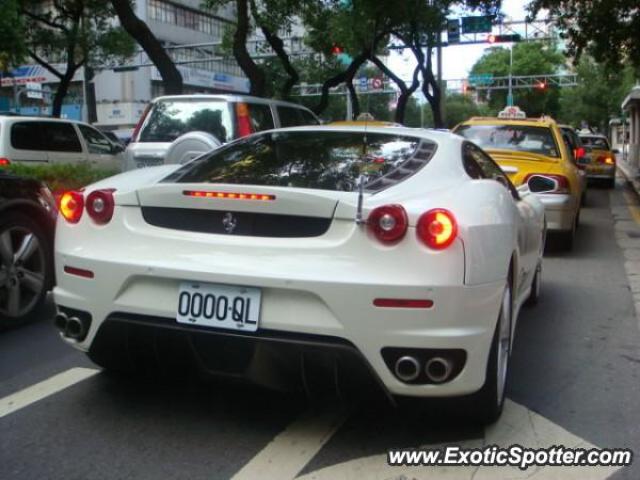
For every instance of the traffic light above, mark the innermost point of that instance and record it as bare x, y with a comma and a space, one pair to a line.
336, 49
512, 37
541, 85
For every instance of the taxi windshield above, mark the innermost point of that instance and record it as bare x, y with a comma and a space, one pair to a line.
522, 138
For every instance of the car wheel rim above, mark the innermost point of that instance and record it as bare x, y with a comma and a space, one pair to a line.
504, 339
22, 271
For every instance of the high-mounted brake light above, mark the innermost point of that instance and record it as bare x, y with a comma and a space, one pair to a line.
388, 223
143, 117
71, 206
4, 162
100, 205
563, 182
229, 195
437, 228
243, 120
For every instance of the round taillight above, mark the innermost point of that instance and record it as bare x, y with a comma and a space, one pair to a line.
100, 206
437, 228
388, 223
71, 206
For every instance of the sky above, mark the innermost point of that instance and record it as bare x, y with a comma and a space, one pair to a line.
457, 60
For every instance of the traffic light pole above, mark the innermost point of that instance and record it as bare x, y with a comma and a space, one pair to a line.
510, 94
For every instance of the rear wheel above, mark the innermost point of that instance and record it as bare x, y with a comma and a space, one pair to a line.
489, 401
566, 239
536, 285
611, 183
25, 271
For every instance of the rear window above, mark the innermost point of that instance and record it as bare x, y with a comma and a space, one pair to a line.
169, 119
596, 142
318, 160
521, 138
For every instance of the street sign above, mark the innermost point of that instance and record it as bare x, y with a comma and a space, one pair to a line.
363, 83
481, 24
480, 79
377, 83
34, 90
453, 31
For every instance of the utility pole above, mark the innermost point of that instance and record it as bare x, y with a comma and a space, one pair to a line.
510, 94
440, 84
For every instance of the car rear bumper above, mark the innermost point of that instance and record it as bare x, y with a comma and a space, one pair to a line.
560, 211
604, 172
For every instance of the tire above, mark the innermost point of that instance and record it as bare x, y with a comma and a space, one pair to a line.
610, 183
536, 285
489, 401
583, 198
566, 239
25, 269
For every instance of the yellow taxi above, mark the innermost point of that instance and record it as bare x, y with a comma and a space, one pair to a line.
602, 164
524, 147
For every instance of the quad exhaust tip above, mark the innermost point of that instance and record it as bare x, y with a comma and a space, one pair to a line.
407, 368
438, 369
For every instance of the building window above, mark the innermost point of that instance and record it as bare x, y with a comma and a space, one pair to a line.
166, 12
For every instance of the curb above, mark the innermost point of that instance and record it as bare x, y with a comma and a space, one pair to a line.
630, 179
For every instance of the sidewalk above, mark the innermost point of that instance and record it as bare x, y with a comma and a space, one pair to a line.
625, 170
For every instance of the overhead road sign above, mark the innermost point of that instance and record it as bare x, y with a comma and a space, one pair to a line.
478, 24
453, 31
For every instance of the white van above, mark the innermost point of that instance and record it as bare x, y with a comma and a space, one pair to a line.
42, 140
178, 128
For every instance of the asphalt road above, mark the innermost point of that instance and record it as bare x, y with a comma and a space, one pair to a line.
573, 381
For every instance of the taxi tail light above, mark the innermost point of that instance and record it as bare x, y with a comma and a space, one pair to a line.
4, 162
388, 223
437, 228
71, 206
579, 153
243, 120
563, 182
100, 206
136, 130
605, 159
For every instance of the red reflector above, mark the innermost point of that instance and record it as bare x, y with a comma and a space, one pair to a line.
229, 195
402, 303
4, 162
78, 272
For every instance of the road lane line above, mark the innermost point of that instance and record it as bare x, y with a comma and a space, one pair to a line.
51, 385
288, 453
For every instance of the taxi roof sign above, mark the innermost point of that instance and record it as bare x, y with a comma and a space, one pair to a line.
512, 112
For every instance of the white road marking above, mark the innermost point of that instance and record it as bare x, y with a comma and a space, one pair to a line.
287, 454
41, 390
518, 425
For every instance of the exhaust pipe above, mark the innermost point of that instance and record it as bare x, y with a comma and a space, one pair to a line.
438, 369
75, 328
60, 321
407, 368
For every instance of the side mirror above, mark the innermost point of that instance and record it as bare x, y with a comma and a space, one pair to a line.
116, 148
542, 184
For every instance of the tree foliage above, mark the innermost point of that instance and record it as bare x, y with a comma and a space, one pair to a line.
598, 96
530, 58
609, 30
12, 46
66, 35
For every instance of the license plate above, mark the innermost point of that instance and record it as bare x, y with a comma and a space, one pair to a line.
222, 306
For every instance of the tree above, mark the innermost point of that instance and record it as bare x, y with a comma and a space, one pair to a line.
530, 58
140, 32
69, 35
609, 30
598, 96
461, 108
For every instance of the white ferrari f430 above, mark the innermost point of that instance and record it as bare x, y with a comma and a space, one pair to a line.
309, 255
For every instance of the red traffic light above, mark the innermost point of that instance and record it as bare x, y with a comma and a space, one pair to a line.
491, 39
336, 49
541, 85
512, 37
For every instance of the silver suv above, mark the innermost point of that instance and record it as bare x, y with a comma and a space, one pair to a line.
176, 129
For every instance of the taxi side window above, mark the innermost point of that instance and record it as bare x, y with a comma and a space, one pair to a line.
571, 146
488, 167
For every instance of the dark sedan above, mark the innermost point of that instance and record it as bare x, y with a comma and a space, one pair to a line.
27, 223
